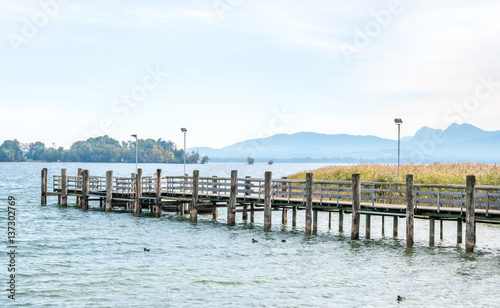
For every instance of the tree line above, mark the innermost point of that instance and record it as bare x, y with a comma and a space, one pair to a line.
99, 149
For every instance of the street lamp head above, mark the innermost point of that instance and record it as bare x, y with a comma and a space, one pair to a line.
134, 135
398, 121
184, 130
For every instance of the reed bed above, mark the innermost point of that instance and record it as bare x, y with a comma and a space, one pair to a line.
437, 173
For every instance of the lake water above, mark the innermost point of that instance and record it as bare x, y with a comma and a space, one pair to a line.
71, 258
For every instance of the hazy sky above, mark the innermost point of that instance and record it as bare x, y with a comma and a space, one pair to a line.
231, 70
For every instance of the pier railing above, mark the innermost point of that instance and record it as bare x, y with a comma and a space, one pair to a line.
327, 193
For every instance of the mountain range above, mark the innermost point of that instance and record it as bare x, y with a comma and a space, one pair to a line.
458, 142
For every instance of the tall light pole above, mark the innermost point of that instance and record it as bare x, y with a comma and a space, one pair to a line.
184, 131
398, 122
136, 151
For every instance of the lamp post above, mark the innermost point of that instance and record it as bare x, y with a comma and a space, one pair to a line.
136, 151
398, 122
184, 131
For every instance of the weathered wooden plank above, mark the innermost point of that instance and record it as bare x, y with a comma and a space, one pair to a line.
410, 210
267, 201
109, 191
231, 205
158, 194
193, 213
43, 200
356, 203
64, 187
308, 214
470, 233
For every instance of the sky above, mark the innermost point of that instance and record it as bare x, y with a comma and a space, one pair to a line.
232, 70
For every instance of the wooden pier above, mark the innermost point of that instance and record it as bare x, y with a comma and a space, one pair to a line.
468, 203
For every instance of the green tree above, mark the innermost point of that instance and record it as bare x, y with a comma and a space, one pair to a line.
10, 151
36, 151
204, 159
250, 160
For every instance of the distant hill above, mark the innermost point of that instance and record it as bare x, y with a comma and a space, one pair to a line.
458, 142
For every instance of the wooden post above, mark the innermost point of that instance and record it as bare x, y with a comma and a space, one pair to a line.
329, 220
78, 186
395, 226
315, 222
309, 193
215, 212
432, 225
410, 210
356, 202
383, 225
85, 189
214, 185
294, 217
470, 233
158, 194
284, 216
244, 214
267, 200
252, 213
441, 229
44, 187
109, 191
194, 202
459, 230
138, 192
368, 226
341, 221
231, 205
64, 187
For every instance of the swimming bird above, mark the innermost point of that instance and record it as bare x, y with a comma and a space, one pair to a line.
283, 241
145, 249
401, 298
254, 240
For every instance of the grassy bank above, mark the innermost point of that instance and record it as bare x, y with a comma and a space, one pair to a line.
453, 173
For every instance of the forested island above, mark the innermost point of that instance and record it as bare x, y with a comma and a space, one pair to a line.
100, 149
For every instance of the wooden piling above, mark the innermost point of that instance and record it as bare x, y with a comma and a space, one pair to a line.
284, 216
356, 203
395, 226
459, 230
158, 194
138, 192
294, 217
231, 205
309, 193
315, 222
194, 203
470, 233
432, 225
252, 213
410, 210
267, 200
244, 214
215, 212
383, 225
85, 189
64, 187
329, 220
78, 186
341, 221
43, 200
441, 229
109, 191
368, 226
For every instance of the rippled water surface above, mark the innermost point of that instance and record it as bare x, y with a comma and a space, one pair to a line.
71, 258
